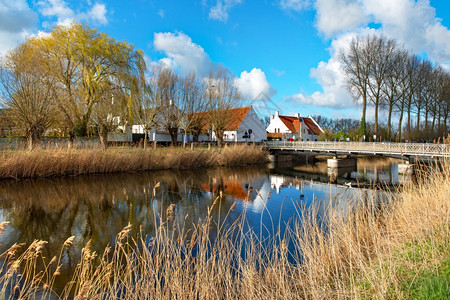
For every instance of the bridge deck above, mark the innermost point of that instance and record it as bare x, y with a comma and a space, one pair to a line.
387, 149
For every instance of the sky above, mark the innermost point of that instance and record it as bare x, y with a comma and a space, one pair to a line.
283, 53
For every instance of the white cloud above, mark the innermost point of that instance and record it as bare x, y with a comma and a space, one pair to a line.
334, 16
65, 15
184, 54
253, 85
296, 5
16, 20
412, 23
279, 73
220, 11
98, 14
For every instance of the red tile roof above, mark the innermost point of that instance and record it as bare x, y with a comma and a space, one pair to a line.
291, 123
236, 116
313, 128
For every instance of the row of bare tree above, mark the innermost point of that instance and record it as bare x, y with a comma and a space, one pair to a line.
75, 79
382, 73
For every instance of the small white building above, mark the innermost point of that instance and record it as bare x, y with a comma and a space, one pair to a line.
245, 126
293, 128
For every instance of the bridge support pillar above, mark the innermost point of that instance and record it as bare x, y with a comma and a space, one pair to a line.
405, 168
335, 163
281, 160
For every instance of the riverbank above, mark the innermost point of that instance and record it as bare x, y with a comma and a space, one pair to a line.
393, 250
18, 164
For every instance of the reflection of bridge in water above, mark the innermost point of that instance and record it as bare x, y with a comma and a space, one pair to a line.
406, 151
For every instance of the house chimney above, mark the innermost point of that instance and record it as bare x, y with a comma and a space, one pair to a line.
272, 117
277, 114
297, 115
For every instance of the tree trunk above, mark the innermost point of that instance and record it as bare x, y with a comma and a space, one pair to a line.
376, 118
439, 124
173, 131
219, 137
30, 143
433, 132
33, 136
103, 134
400, 126
389, 121
71, 139
184, 139
145, 139
418, 119
195, 136
362, 129
408, 125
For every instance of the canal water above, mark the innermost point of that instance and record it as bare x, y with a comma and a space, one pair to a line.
97, 207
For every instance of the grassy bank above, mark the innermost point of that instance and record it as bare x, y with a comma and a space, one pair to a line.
64, 162
394, 250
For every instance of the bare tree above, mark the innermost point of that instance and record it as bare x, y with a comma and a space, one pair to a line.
411, 90
356, 62
382, 51
167, 93
221, 96
28, 92
193, 102
394, 88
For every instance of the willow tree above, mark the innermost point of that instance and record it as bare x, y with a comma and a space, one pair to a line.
27, 92
221, 96
85, 62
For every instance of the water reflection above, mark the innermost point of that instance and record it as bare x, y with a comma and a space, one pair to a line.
365, 172
96, 208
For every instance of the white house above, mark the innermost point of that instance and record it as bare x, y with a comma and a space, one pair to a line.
296, 128
245, 126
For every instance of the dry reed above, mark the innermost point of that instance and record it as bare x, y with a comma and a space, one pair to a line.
351, 254
63, 162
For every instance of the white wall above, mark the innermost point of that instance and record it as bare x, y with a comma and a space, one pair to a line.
276, 124
252, 121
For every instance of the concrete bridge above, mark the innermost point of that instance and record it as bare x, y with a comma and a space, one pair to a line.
406, 151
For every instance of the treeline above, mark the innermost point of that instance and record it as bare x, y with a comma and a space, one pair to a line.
75, 79
343, 128
382, 73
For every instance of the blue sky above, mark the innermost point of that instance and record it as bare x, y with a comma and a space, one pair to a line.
282, 50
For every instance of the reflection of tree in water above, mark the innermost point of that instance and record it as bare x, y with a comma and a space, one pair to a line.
97, 207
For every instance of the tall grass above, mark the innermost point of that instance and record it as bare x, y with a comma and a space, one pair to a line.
360, 253
63, 162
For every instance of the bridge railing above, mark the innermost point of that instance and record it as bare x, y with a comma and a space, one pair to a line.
392, 148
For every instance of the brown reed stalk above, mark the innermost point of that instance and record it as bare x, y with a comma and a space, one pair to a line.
64, 162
